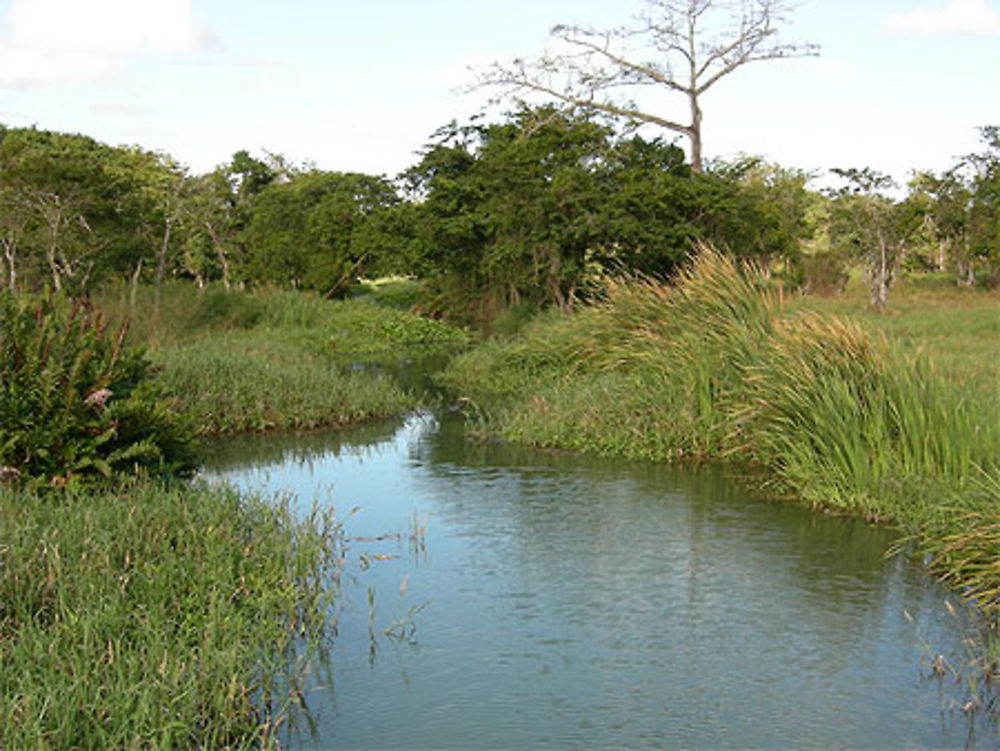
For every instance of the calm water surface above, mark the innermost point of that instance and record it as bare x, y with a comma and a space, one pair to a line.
572, 602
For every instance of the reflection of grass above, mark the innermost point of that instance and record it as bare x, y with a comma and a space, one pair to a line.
155, 617
826, 408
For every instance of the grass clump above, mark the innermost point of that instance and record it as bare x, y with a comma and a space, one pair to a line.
158, 617
276, 359
255, 381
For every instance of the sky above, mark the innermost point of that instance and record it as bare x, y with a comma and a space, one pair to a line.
362, 86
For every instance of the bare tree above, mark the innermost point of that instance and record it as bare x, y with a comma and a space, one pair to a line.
677, 46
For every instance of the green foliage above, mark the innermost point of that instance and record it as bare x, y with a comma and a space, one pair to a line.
395, 292
76, 404
274, 358
539, 208
316, 230
158, 617
219, 308
257, 380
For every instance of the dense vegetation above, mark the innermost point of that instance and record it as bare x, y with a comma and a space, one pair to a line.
255, 361
157, 617
75, 402
532, 211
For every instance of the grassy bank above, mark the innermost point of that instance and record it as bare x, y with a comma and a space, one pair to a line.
156, 617
242, 361
825, 409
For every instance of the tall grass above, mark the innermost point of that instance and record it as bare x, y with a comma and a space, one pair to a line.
158, 617
714, 367
272, 359
254, 381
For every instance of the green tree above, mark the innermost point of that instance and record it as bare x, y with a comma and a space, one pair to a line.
868, 225
984, 212
958, 212
511, 208
312, 231
208, 228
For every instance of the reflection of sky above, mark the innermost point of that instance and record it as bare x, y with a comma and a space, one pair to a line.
587, 602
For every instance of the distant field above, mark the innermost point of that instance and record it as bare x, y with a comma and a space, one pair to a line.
959, 328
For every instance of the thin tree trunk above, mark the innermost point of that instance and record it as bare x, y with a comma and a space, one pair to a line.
161, 263
133, 288
10, 254
220, 253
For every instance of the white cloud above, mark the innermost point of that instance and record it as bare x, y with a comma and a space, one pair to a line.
972, 17
51, 41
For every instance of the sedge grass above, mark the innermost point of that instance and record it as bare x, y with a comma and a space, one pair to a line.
157, 617
252, 381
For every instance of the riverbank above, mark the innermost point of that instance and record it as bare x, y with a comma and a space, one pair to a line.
823, 409
157, 616
277, 360
141, 612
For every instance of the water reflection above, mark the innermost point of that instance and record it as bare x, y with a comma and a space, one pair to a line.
577, 602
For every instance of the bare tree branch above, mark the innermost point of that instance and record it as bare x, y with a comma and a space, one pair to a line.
678, 45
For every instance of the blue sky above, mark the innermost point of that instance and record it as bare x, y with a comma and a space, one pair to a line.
899, 84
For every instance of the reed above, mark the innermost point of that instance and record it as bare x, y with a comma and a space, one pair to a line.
256, 381
275, 359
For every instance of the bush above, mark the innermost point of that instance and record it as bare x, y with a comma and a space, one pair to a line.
76, 404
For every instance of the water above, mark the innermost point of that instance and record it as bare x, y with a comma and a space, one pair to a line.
572, 602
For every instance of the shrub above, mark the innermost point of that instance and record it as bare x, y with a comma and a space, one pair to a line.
76, 404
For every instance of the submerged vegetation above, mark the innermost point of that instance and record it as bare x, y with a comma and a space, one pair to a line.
816, 407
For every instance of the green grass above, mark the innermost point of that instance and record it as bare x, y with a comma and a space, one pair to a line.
272, 359
845, 413
957, 327
157, 617
255, 381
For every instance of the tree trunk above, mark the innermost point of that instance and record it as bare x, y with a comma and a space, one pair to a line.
161, 263
220, 254
966, 273
9, 252
133, 288
881, 277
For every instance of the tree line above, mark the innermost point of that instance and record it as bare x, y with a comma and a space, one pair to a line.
532, 209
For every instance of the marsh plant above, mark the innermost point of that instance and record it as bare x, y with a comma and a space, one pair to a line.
273, 359
158, 617
77, 403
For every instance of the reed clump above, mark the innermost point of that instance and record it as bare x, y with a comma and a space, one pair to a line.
713, 366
